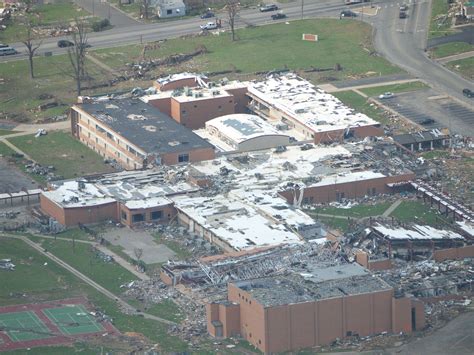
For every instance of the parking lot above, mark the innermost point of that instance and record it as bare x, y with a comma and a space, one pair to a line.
12, 180
430, 110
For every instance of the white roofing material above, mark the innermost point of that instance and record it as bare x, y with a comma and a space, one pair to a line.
179, 76
417, 232
307, 104
235, 222
467, 227
348, 177
71, 194
242, 127
148, 203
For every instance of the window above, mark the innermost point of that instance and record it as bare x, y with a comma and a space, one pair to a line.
139, 217
156, 215
124, 215
260, 341
169, 12
110, 136
96, 140
183, 158
195, 106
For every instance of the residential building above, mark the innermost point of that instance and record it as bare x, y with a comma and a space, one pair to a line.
169, 8
135, 135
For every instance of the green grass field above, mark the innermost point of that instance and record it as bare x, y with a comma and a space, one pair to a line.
336, 223
81, 257
359, 211
37, 279
360, 104
4, 132
273, 47
5, 150
447, 49
19, 94
396, 88
69, 156
465, 67
439, 8
417, 212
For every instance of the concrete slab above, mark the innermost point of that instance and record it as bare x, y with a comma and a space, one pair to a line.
12, 180
130, 239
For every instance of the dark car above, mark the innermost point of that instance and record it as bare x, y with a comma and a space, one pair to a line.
278, 16
427, 121
402, 14
347, 13
208, 14
269, 7
4, 45
65, 43
468, 93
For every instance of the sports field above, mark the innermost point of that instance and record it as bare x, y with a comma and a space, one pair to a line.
51, 323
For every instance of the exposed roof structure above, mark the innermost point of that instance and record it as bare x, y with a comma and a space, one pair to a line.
416, 232
420, 137
235, 222
136, 189
307, 104
242, 127
144, 126
180, 76
317, 284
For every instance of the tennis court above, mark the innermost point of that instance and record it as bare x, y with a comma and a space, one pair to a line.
73, 320
23, 326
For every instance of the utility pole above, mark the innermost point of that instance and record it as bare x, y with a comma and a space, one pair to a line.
302, 8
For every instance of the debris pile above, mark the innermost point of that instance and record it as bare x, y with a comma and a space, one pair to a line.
6, 264
46, 171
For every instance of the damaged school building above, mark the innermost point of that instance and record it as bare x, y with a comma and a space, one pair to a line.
234, 163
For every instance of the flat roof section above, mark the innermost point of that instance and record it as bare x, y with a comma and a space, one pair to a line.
316, 284
241, 127
144, 126
416, 232
307, 104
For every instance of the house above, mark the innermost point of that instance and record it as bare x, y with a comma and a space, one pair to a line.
169, 8
468, 10
135, 135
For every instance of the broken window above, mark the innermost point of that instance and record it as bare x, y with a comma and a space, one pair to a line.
156, 215
138, 217
183, 158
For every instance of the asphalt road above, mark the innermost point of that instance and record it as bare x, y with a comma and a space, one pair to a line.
136, 33
403, 42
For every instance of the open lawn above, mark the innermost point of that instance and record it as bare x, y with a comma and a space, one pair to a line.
360, 104
82, 257
465, 67
70, 157
359, 211
5, 150
271, 47
4, 132
336, 223
418, 212
435, 154
404, 87
447, 49
440, 23
166, 309
19, 96
37, 279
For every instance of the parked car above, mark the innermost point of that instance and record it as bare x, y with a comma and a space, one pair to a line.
7, 51
268, 7
468, 93
347, 13
65, 43
427, 121
386, 95
404, 7
278, 16
209, 26
2, 45
402, 14
208, 14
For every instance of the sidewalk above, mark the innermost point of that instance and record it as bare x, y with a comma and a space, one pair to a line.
450, 58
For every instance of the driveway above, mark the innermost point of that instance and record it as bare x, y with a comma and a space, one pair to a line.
130, 240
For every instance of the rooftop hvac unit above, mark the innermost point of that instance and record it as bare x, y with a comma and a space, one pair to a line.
215, 92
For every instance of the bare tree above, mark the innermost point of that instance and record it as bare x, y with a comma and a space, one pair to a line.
77, 54
31, 47
232, 7
145, 7
138, 253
